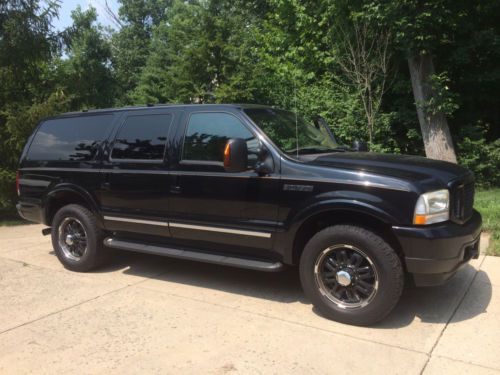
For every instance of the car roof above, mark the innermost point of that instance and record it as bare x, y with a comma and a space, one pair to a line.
152, 106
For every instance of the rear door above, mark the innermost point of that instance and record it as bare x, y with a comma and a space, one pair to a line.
135, 178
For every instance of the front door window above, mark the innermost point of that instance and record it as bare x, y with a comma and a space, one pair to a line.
208, 132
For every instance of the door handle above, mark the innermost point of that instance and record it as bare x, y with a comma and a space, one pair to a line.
175, 188
106, 185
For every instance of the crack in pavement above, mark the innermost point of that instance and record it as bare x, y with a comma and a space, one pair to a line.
430, 354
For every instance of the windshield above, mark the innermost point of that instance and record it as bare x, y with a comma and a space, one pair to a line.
292, 134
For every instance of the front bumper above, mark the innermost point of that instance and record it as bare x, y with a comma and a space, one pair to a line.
435, 253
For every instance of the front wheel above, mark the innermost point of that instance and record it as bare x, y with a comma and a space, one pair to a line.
351, 275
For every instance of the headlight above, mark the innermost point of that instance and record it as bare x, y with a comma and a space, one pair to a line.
432, 208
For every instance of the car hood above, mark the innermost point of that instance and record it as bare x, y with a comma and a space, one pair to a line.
407, 167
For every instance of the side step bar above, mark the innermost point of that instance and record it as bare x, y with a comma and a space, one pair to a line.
251, 264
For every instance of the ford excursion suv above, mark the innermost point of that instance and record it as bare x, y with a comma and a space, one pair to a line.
253, 187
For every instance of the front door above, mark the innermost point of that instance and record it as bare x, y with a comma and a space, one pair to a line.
214, 209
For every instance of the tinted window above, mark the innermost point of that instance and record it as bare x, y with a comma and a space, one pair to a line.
142, 138
75, 138
207, 134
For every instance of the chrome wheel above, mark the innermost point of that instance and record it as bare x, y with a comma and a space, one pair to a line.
72, 238
346, 276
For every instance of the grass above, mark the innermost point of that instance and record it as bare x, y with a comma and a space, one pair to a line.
488, 203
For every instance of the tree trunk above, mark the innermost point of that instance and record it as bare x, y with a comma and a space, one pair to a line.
435, 132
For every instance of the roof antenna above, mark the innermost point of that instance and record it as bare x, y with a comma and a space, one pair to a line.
296, 120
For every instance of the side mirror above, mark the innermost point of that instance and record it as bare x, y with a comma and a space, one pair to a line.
265, 162
358, 145
236, 155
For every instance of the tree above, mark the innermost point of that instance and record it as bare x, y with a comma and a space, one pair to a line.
85, 73
301, 49
131, 44
201, 52
364, 58
175, 69
433, 124
301, 55
420, 27
27, 46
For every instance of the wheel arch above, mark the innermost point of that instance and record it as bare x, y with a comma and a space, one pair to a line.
362, 216
63, 195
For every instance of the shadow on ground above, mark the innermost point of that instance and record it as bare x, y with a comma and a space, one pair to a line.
430, 305
437, 304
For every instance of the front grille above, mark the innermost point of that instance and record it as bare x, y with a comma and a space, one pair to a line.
462, 202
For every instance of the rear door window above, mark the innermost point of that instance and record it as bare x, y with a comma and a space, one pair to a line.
70, 139
142, 137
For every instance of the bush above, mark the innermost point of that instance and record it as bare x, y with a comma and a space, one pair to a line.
7, 188
480, 156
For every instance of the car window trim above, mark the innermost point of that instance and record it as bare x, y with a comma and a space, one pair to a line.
202, 162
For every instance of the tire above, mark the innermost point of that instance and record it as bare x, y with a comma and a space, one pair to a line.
72, 219
332, 280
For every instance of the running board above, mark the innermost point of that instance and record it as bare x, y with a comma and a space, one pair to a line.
251, 264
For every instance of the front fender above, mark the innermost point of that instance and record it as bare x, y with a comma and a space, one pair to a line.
340, 204
365, 204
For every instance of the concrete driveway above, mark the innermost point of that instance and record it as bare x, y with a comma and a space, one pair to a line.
147, 314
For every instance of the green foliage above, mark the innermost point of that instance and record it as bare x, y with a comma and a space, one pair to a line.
131, 46
481, 156
85, 74
285, 53
443, 100
174, 70
199, 54
419, 26
26, 47
487, 202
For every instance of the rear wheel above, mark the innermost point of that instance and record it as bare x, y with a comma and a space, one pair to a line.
77, 239
351, 274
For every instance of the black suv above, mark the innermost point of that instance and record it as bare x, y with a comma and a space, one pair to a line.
253, 187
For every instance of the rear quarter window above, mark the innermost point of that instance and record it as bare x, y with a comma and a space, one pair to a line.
71, 138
